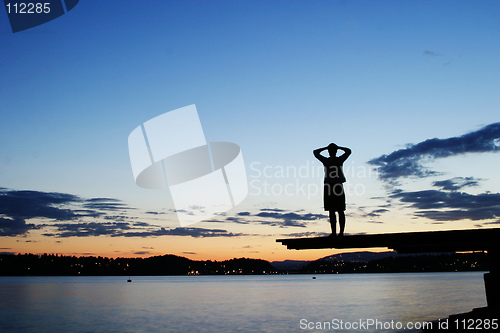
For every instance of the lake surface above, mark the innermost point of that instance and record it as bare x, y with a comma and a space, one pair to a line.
270, 303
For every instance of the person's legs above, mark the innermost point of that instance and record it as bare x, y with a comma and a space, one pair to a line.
341, 222
333, 222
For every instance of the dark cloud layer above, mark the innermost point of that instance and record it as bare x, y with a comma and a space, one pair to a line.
276, 217
106, 204
457, 183
67, 216
14, 227
446, 200
191, 232
54, 205
126, 229
307, 234
376, 212
409, 161
442, 205
86, 229
31, 204
18, 206
67, 211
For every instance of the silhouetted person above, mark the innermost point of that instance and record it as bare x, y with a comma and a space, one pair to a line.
333, 190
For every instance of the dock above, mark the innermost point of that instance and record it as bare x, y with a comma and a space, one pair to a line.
405, 242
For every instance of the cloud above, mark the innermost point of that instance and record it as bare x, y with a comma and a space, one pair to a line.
14, 226
87, 229
31, 204
191, 232
155, 213
18, 206
54, 205
236, 219
118, 218
288, 219
430, 53
457, 183
244, 214
446, 200
408, 162
125, 229
142, 252
275, 217
495, 222
67, 210
141, 224
451, 205
376, 212
273, 210
307, 234
362, 212
107, 204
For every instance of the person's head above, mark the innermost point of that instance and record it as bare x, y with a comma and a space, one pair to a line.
332, 149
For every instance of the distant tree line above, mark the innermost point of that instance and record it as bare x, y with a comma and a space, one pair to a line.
53, 264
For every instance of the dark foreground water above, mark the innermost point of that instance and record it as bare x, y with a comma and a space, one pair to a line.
271, 303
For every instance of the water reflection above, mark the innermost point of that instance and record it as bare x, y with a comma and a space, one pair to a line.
229, 303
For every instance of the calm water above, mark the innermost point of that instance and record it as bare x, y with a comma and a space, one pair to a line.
273, 303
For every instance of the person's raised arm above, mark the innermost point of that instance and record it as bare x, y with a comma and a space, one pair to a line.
346, 153
317, 153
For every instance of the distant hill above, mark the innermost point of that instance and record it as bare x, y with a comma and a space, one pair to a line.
360, 256
391, 262
295, 265
289, 265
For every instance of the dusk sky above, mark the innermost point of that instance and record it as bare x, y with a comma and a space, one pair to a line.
412, 87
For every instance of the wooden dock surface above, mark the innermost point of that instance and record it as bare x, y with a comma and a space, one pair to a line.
405, 242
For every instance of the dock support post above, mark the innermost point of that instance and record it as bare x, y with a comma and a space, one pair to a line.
492, 279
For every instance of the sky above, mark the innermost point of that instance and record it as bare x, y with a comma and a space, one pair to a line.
410, 86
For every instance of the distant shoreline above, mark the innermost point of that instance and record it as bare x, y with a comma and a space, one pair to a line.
349, 263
